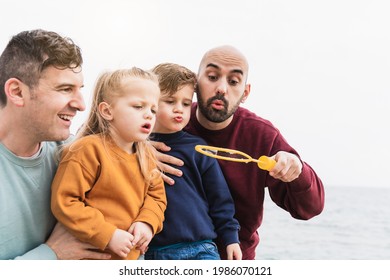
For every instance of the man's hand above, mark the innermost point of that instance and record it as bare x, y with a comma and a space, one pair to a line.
164, 160
68, 247
288, 167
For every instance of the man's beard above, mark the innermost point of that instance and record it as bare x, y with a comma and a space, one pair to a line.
214, 115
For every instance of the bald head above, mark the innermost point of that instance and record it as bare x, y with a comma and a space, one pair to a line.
222, 86
227, 55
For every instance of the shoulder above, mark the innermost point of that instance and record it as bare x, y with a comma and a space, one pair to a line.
84, 146
246, 114
90, 140
247, 119
193, 139
55, 145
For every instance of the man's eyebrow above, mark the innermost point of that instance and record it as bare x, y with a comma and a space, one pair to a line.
68, 85
212, 65
238, 71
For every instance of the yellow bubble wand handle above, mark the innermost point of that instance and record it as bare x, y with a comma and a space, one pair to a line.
264, 162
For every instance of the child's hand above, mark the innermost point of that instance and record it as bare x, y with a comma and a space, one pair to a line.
121, 243
234, 252
143, 234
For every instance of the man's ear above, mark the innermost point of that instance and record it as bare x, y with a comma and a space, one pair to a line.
246, 92
15, 91
105, 111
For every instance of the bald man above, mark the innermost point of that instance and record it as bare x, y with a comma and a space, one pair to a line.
218, 118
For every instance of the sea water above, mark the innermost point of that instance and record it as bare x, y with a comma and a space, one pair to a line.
354, 225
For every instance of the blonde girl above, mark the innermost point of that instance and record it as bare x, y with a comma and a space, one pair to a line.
107, 190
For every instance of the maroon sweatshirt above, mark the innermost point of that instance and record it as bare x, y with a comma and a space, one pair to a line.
303, 198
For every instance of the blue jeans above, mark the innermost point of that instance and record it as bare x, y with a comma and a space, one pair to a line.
204, 250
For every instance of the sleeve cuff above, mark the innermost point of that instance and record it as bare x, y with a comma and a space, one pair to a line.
42, 252
303, 182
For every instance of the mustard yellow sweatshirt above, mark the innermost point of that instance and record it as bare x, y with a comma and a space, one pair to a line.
99, 187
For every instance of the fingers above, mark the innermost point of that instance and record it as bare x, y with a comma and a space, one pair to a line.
136, 232
165, 159
288, 167
74, 249
169, 169
166, 162
143, 245
167, 179
287, 174
124, 252
126, 248
238, 255
143, 251
229, 256
160, 146
94, 255
233, 252
141, 240
142, 235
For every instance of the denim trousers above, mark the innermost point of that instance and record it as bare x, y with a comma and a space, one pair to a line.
204, 250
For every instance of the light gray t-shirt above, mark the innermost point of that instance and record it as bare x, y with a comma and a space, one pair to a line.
26, 220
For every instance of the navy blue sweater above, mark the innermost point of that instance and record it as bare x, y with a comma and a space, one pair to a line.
199, 205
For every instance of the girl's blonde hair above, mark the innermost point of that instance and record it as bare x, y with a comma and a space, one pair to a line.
108, 87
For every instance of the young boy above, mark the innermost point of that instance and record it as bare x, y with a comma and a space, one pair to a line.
200, 207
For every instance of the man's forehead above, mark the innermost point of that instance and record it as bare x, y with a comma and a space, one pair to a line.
62, 76
225, 58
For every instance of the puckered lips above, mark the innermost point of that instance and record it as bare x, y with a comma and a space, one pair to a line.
218, 105
178, 119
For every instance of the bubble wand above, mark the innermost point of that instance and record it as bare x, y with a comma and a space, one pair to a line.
264, 162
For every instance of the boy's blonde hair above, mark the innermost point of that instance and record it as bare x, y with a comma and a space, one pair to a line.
109, 86
172, 77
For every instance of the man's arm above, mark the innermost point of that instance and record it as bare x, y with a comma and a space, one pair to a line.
296, 187
68, 247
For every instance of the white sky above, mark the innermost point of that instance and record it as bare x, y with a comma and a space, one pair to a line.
319, 70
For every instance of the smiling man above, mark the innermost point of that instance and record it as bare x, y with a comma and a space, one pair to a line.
40, 83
